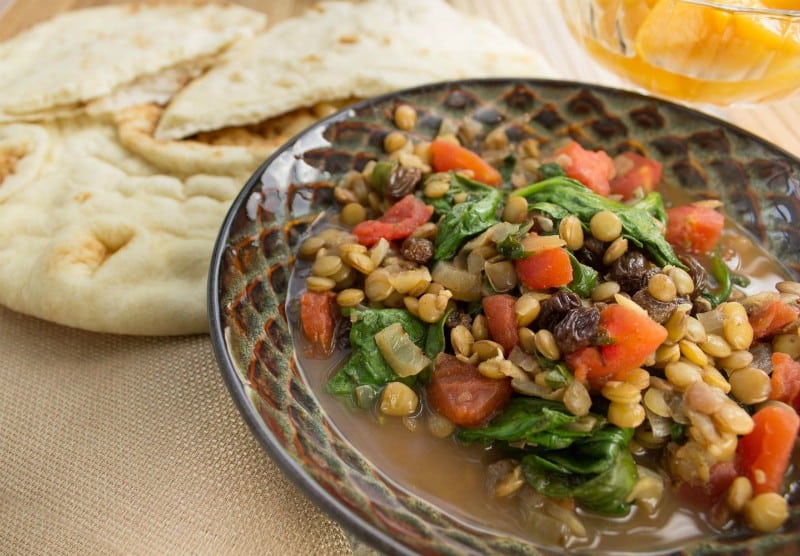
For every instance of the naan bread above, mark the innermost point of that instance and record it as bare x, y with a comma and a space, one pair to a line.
338, 50
56, 67
96, 238
235, 151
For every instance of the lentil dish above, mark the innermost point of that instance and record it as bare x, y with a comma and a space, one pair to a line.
549, 315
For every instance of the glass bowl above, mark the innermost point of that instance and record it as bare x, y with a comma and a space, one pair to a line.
719, 53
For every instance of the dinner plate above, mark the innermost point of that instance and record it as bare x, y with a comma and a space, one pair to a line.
253, 256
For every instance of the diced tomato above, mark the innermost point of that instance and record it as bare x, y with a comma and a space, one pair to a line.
693, 228
634, 171
550, 268
768, 319
501, 320
460, 393
318, 315
763, 454
785, 380
593, 169
634, 335
446, 156
399, 222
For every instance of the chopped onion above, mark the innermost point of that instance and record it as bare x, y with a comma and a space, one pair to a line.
402, 355
465, 285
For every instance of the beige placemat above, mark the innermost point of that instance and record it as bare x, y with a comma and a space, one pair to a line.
112, 444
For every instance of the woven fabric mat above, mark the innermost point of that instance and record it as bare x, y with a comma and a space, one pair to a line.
113, 444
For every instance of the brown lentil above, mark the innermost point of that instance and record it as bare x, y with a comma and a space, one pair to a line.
617, 248
654, 400
344, 196
639, 378
526, 309
571, 231
352, 214
682, 374
398, 400
713, 377
733, 418
480, 330
436, 188
576, 399
736, 360
310, 246
621, 392
766, 512
377, 286
695, 331
605, 225
326, 265
439, 426
739, 493
736, 326
693, 353
716, 346
349, 297
319, 284
429, 310
394, 141
626, 415
497, 138
684, 285
666, 353
546, 344
527, 340
750, 385
605, 291
677, 323
412, 304
516, 209
661, 287
423, 151
462, 340
405, 117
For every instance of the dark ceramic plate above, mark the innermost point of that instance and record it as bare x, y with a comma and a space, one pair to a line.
253, 256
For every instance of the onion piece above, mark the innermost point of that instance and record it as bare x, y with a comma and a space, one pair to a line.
402, 355
465, 285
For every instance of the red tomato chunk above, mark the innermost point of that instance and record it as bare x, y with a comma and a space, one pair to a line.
460, 393
593, 169
399, 222
447, 156
501, 320
694, 228
318, 315
634, 171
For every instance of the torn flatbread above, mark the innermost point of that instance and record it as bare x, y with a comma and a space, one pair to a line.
58, 66
94, 237
338, 50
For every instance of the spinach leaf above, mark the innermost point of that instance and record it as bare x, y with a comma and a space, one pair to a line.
366, 365
381, 174
654, 205
511, 245
534, 421
466, 219
435, 338
550, 170
722, 275
599, 471
584, 278
638, 225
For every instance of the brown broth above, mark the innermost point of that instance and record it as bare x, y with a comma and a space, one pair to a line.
453, 477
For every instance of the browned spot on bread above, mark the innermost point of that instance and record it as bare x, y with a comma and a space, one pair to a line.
8, 160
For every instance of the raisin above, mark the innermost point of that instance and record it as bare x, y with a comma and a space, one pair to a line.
659, 311
555, 308
632, 271
577, 329
417, 249
591, 254
458, 317
402, 181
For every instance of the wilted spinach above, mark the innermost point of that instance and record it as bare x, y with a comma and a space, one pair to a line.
366, 365
535, 421
638, 224
465, 219
584, 278
598, 471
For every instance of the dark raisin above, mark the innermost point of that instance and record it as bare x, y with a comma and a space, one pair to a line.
577, 329
402, 181
417, 249
458, 317
632, 271
659, 311
555, 308
591, 254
